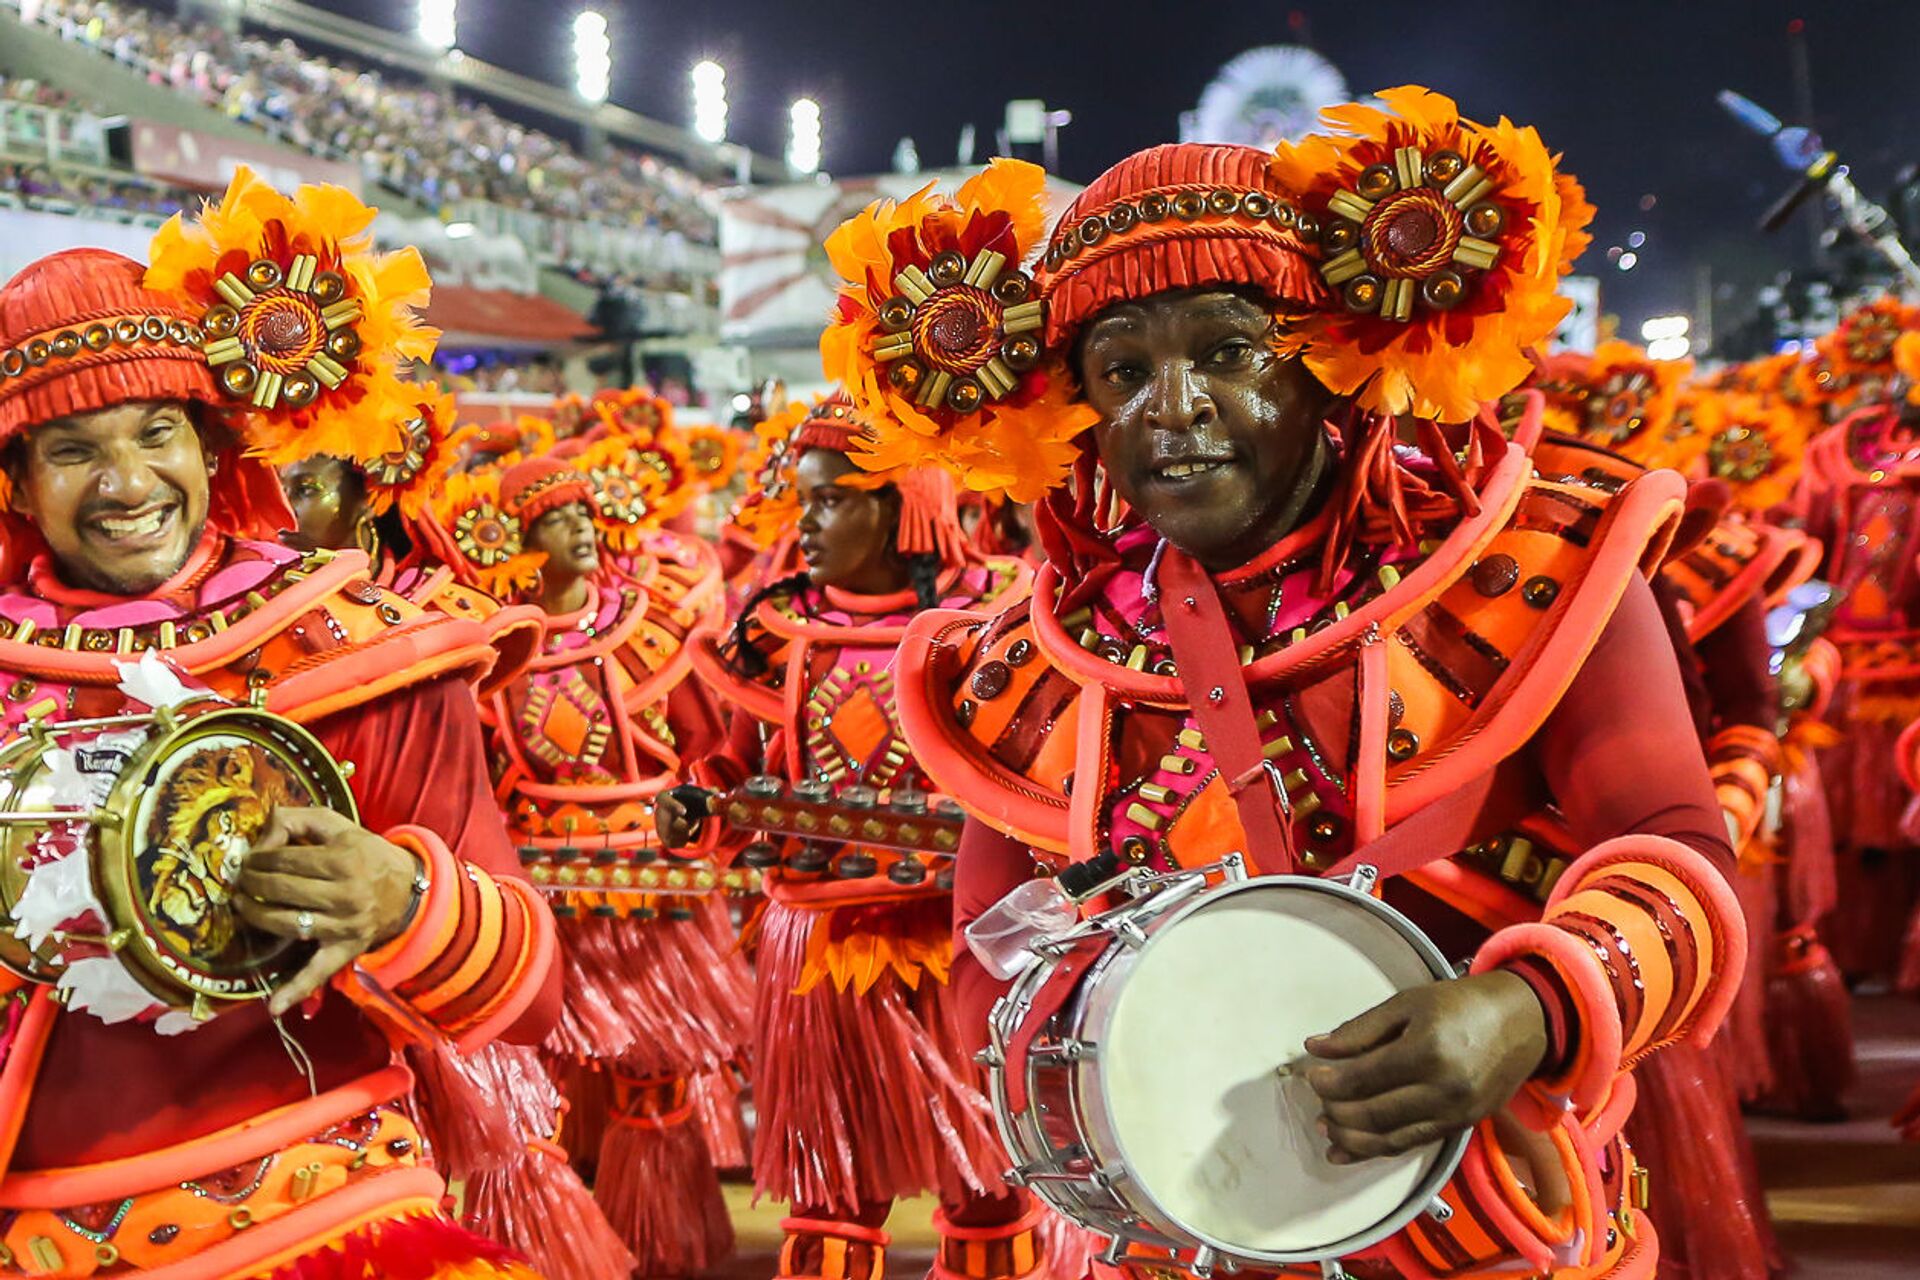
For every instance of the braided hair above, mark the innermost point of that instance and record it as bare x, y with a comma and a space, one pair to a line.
739, 653
923, 571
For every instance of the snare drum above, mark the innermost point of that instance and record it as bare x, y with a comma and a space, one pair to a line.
140, 823
1138, 1070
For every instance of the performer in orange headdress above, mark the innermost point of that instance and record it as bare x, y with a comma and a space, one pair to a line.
584, 740
1858, 495
1611, 416
137, 406
862, 1089
1268, 625
384, 508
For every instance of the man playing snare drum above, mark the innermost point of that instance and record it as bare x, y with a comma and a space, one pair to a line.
139, 527
1300, 592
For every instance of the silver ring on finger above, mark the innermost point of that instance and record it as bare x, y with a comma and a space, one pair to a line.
304, 923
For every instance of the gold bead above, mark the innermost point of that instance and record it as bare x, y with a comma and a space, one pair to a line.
220, 322
328, 287
237, 379
1375, 181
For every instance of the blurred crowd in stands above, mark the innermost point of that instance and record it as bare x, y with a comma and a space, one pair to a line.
413, 137
28, 110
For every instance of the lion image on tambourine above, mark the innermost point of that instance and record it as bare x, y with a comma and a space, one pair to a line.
210, 809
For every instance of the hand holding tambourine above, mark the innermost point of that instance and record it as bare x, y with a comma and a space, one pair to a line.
318, 876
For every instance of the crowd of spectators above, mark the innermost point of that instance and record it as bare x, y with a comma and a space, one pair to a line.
40, 186
533, 374
414, 137
29, 109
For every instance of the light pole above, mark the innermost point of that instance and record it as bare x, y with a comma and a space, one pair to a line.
438, 23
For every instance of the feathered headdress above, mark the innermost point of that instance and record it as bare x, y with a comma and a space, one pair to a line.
1753, 444
626, 496
714, 453
1445, 241
937, 336
770, 506
1617, 398
485, 543
304, 324
418, 456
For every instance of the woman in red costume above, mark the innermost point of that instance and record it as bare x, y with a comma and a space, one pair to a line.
384, 508
271, 1140
1252, 579
864, 1092
584, 740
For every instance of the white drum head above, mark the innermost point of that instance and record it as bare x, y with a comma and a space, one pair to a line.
1211, 1007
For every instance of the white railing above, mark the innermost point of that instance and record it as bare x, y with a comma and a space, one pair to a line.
53, 134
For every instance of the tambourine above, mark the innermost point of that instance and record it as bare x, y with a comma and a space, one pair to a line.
159, 809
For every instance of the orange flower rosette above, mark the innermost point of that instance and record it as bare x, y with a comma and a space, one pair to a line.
938, 336
1619, 399
1443, 241
491, 554
770, 508
1753, 444
418, 457
305, 326
627, 498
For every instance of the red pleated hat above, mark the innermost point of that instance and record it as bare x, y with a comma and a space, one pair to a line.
1179, 216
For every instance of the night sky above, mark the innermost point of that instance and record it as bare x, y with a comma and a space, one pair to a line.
1624, 89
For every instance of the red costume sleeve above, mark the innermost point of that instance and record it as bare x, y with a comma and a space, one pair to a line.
1641, 933
475, 959
1744, 752
989, 866
1619, 753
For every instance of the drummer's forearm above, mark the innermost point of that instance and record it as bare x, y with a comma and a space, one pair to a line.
1642, 938
988, 866
1619, 752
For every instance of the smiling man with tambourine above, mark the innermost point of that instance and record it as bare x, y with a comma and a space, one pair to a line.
1308, 614
248, 838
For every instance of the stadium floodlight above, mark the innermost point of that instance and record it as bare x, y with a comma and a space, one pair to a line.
803, 146
437, 23
592, 55
1659, 327
710, 100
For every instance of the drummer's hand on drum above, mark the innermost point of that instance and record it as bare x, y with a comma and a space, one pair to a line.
351, 890
1425, 1064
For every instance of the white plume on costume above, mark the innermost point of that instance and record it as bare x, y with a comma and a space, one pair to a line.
56, 892
62, 889
100, 986
153, 682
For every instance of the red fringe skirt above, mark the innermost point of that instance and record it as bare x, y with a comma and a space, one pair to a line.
1686, 1129
861, 1098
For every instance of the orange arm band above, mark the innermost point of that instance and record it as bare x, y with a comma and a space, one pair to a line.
539, 950
1680, 917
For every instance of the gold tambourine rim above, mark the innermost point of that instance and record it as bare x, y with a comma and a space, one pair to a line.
113, 865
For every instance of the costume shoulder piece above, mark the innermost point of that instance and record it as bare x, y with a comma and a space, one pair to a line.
513, 630
1482, 632
1739, 560
313, 629
686, 591
787, 624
